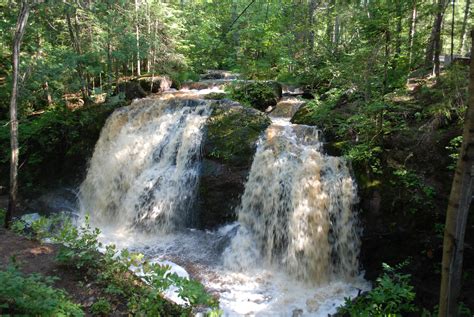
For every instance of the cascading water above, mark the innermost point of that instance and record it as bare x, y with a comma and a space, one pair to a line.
295, 214
297, 208
145, 167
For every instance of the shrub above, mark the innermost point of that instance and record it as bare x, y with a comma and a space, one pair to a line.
392, 296
101, 307
78, 245
33, 295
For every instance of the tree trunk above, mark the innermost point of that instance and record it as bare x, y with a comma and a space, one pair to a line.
434, 42
74, 35
437, 35
19, 32
452, 29
137, 31
148, 23
311, 10
464, 29
411, 35
456, 215
398, 43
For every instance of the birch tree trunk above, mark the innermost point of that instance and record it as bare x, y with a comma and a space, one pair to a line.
137, 31
19, 32
456, 215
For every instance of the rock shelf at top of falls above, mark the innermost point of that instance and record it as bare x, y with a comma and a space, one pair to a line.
165, 167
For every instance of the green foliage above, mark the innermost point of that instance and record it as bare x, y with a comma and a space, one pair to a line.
18, 226
79, 250
33, 295
448, 97
2, 217
101, 307
412, 187
54, 145
454, 149
78, 246
392, 296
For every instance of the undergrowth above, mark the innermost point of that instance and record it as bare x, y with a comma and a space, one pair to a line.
33, 295
120, 273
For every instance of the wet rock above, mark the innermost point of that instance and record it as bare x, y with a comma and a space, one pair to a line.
155, 84
287, 107
57, 201
219, 74
216, 96
297, 313
258, 94
131, 89
232, 133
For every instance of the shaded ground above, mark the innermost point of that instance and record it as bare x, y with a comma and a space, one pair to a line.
33, 257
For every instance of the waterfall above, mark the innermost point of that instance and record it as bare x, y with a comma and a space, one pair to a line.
145, 167
297, 209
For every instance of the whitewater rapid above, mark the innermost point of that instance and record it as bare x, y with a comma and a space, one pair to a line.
293, 250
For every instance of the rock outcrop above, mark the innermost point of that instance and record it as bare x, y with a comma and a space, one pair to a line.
232, 133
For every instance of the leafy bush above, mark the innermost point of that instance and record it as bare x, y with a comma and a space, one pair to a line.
78, 245
33, 295
101, 307
392, 296
79, 249
454, 149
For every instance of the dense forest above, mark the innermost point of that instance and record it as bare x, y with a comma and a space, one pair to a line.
185, 102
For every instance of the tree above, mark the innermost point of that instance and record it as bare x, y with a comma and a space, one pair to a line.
19, 32
458, 209
464, 29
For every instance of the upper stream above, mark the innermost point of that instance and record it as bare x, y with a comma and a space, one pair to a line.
293, 250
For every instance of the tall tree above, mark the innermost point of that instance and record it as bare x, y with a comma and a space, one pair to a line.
19, 32
458, 209
412, 32
137, 33
464, 28
437, 44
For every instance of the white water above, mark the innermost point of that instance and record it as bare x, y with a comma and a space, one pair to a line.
145, 166
297, 209
294, 248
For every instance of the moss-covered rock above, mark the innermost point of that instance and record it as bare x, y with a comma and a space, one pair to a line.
216, 96
232, 133
258, 94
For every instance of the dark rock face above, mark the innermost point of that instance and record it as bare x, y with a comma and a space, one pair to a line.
220, 189
232, 133
131, 89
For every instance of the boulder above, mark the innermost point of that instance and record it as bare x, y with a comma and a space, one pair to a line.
258, 94
219, 74
131, 89
232, 133
155, 84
